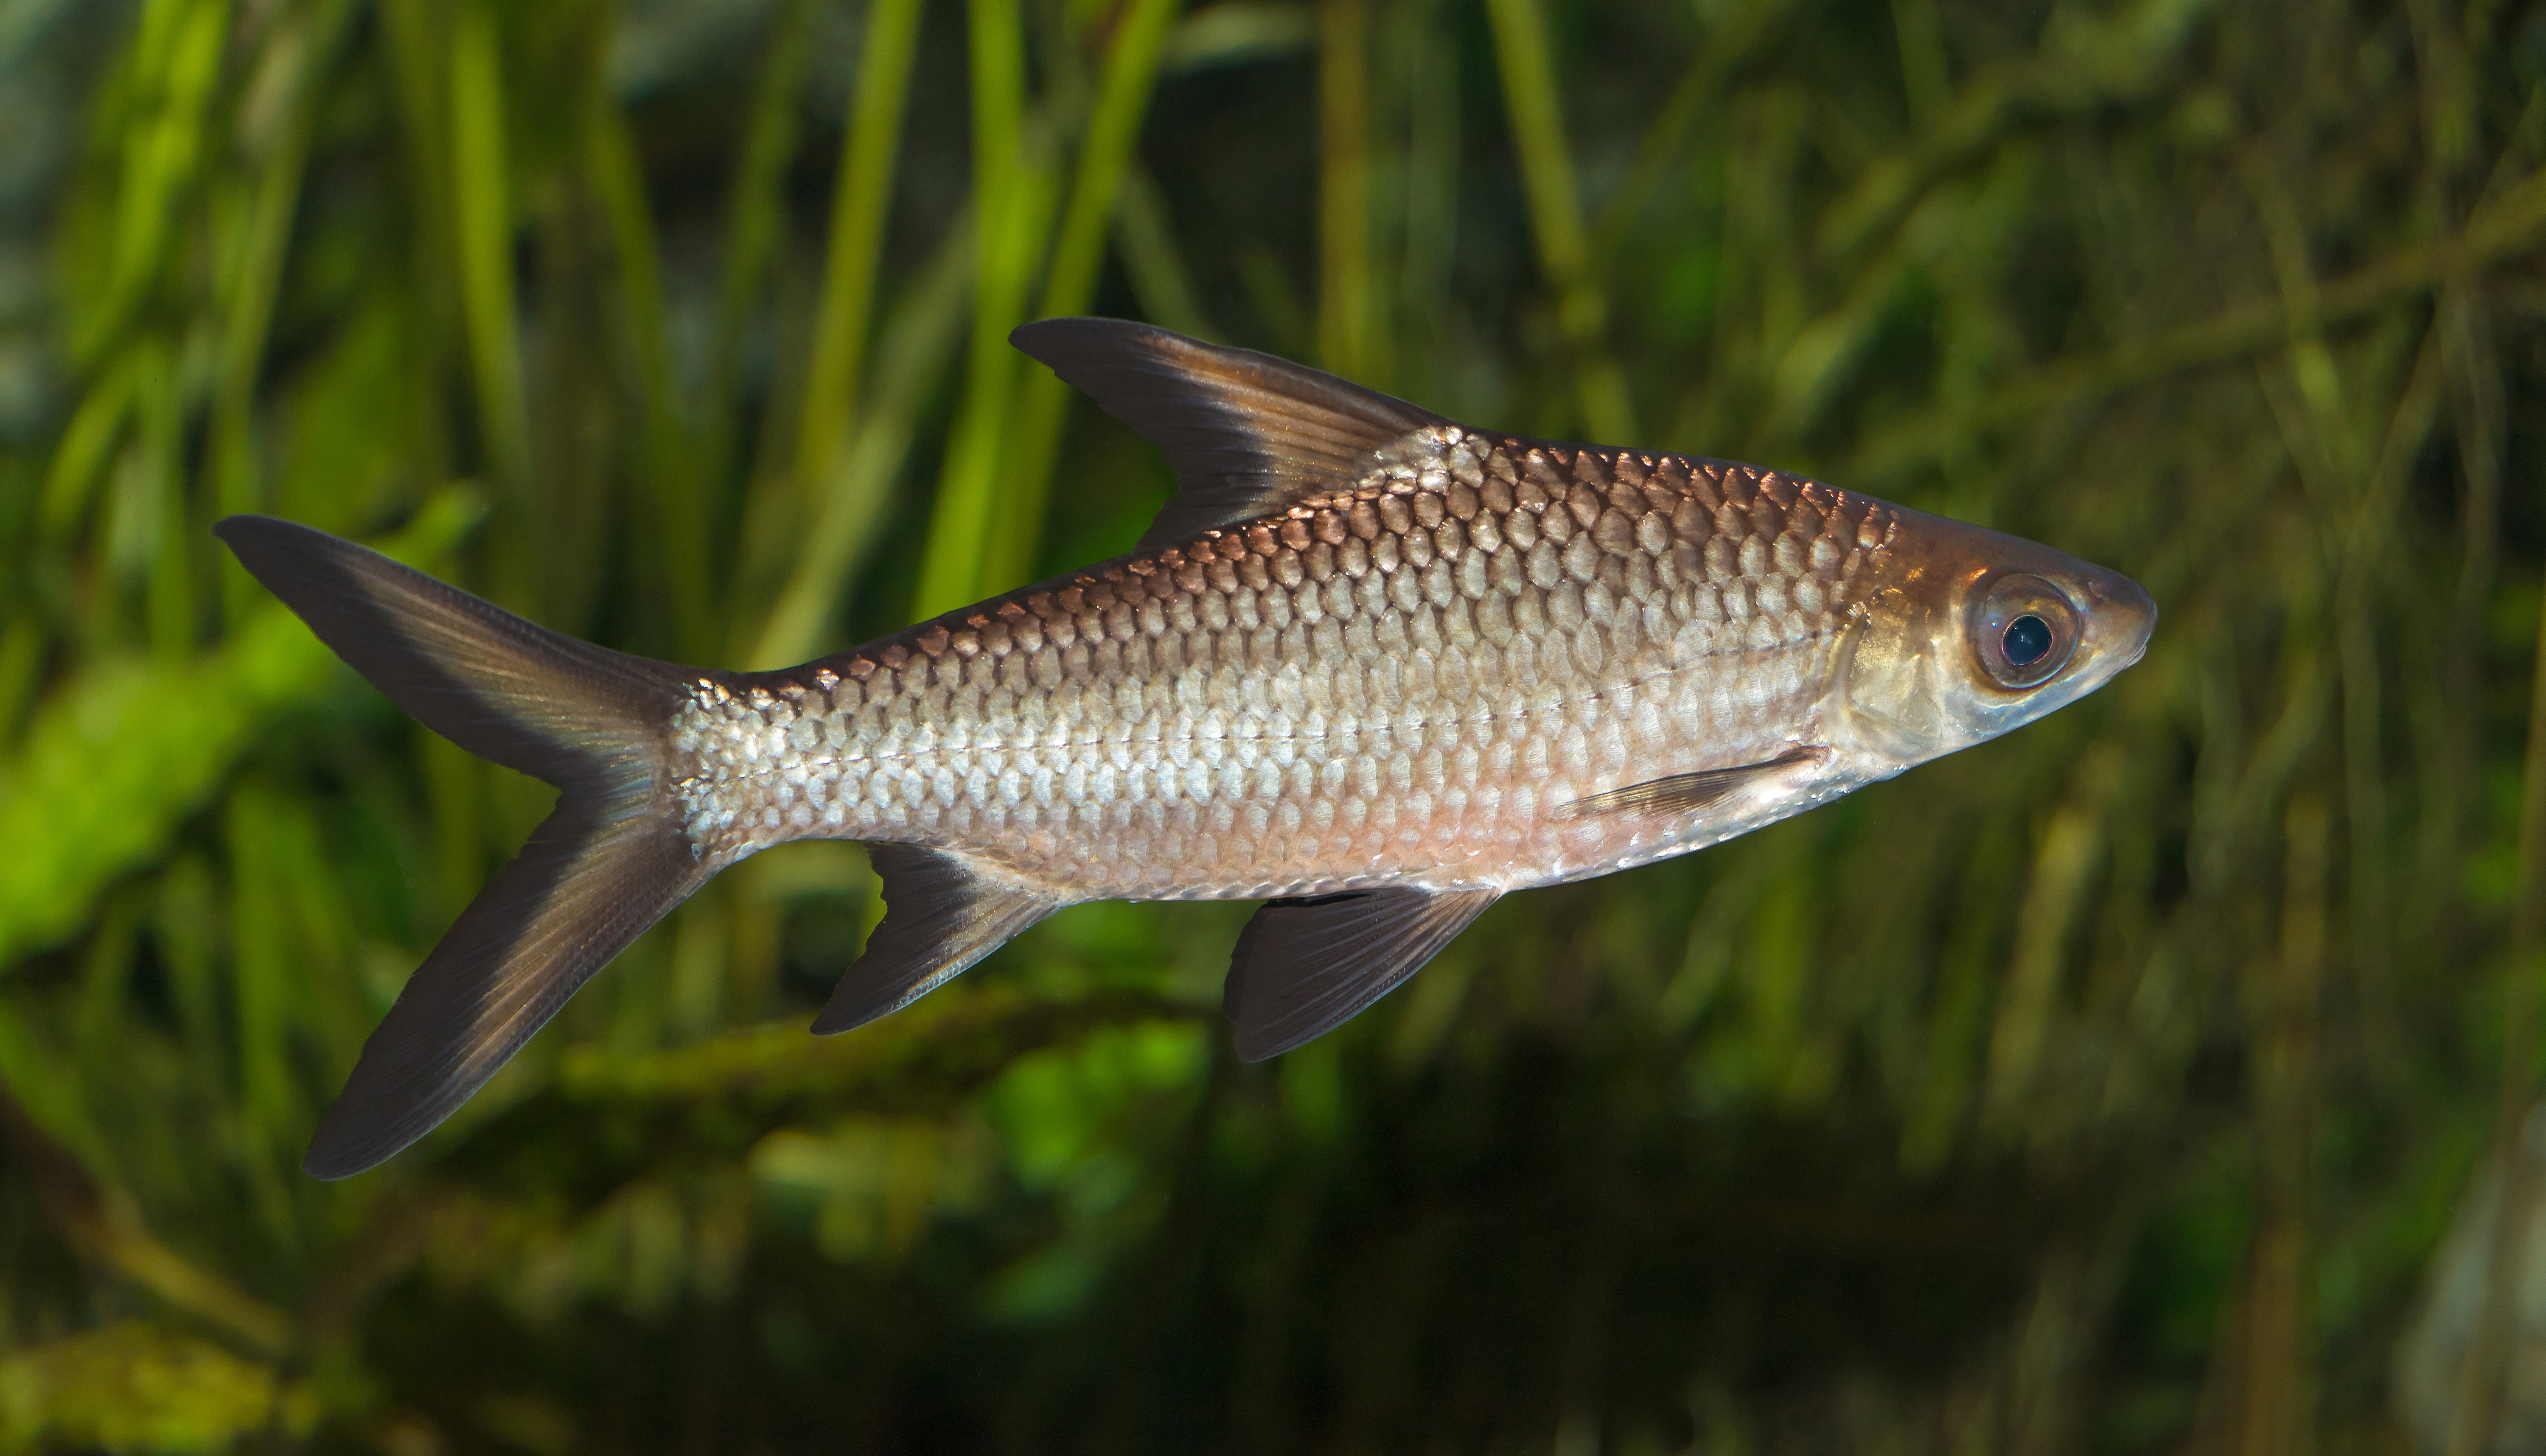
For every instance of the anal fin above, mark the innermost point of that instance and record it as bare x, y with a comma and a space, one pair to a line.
1690, 793
1304, 967
942, 914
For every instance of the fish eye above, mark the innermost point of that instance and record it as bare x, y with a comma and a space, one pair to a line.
2024, 632
2027, 638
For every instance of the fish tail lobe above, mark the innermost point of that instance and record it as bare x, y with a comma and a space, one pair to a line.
609, 861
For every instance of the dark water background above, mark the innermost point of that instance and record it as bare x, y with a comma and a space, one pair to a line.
2105, 1088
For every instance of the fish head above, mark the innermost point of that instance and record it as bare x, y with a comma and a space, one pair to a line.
1968, 632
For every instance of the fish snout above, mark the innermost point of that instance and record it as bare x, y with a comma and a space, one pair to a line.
2120, 617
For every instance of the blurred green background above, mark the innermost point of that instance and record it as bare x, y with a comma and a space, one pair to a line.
2105, 1088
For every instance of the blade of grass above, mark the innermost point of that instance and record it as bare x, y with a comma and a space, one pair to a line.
1938, 1101
2367, 566
108, 769
238, 471
2282, 994
1153, 261
1347, 287
670, 462
1008, 200
1555, 215
1815, 363
1236, 33
2510, 227
2482, 1378
1276, 300
1430, 72
917, 346
416, 39
97, 1000
147, 518
482, 218
1113, 129
21, 657
1756, 302
101, 1222
263, 989
1723, 48
186, 929
2479, 425
175, 68
79, 459
577, 457
1925, 81
2062, 875
860, 200
168, 595
755, 213
2124, 56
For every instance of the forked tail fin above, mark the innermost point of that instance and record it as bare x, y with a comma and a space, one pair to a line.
608, 862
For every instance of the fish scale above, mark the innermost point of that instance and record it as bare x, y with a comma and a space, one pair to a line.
1391, 685
1368, 665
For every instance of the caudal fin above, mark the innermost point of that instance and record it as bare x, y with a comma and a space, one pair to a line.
608, 862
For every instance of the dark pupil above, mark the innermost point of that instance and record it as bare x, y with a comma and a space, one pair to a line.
2027, 638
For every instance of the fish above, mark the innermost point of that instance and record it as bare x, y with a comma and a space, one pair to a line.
1368, 665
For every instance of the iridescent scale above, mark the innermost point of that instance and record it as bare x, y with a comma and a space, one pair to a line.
1402, 684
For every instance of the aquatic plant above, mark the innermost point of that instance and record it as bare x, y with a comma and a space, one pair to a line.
2105, 1085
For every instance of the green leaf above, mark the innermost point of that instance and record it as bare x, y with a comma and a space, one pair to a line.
125, 750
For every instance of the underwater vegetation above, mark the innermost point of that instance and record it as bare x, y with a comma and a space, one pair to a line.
2109, 1086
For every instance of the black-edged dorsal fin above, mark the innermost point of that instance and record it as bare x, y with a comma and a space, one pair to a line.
1246, 434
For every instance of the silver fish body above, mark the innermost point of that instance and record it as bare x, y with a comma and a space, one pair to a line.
1407, 684
1373, 666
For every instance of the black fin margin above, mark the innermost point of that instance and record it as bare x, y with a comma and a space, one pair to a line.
1304, 967
503, 688
610, 861
942, 915
1246, 434
587, 884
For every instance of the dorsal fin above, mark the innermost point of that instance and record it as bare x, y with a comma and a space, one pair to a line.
1246, 434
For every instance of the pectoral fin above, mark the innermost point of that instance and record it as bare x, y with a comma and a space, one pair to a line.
1303, 967
942, 913
1682, 794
